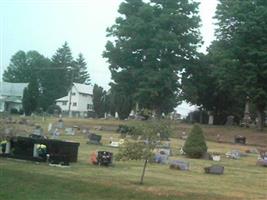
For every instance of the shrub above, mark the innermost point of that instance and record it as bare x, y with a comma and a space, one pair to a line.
126, 130
54, 109
195, 145
14, 111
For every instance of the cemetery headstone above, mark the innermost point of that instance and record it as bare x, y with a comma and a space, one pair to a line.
214, 169
94, 139
239, 139
235, 154
179, 165
218, 138
216, 158
50, 126
56, 134
38, 130
69, 131
161, 158
230, 120
262, 163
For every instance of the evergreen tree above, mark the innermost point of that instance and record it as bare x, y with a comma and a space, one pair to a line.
30, 98
195, 145
61, 73
99, 100
81, 74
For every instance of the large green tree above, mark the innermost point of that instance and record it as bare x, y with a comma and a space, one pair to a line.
29, 67
205, 84
154, 41
242, 26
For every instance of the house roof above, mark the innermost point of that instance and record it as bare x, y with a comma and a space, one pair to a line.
12, 89
66, 98
81, 88
84, 89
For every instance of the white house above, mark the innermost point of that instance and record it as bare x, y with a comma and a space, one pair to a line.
11, 95
80, 97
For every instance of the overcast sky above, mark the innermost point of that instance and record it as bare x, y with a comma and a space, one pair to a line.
44, 25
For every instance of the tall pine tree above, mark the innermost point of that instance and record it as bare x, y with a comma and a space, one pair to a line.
81, 74
61, 76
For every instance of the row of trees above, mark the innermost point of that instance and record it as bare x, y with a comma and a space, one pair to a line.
154, 60
48, 79
235, 66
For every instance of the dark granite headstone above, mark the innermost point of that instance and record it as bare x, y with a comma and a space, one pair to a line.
214, 169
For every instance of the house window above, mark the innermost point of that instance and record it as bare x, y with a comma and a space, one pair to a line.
64, 103
73, 94
74, 104
89, 107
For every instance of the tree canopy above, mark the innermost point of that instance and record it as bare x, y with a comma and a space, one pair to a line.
242, 25
153, 41
49, 79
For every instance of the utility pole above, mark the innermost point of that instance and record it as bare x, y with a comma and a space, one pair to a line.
70, 94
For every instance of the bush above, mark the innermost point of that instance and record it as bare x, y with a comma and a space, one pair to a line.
195, 145
126, 130
54, 109
14, 111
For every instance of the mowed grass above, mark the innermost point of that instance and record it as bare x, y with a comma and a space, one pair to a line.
29, 180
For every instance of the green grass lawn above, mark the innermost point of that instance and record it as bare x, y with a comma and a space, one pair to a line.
28, 180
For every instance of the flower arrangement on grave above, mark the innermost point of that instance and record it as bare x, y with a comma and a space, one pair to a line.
3, 145
42, 150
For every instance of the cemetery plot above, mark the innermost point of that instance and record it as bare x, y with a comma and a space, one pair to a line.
27, 148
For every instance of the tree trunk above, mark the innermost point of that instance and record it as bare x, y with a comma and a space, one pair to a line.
143, 173
261, 119
200, 116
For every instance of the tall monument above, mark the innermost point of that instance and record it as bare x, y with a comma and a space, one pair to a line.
247, 118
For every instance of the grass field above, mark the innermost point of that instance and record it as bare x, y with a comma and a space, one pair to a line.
242, 178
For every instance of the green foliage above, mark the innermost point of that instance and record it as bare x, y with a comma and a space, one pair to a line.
197, 117
137, 150
204, 84
141, 149
61, 72
120, 100
54, 109
242, 28
195, 145
29, 68
99, 95
153, 40
81, 74
126, 130
30, 98
52, 77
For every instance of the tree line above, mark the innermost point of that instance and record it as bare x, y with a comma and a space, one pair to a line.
49, 79
155, 62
